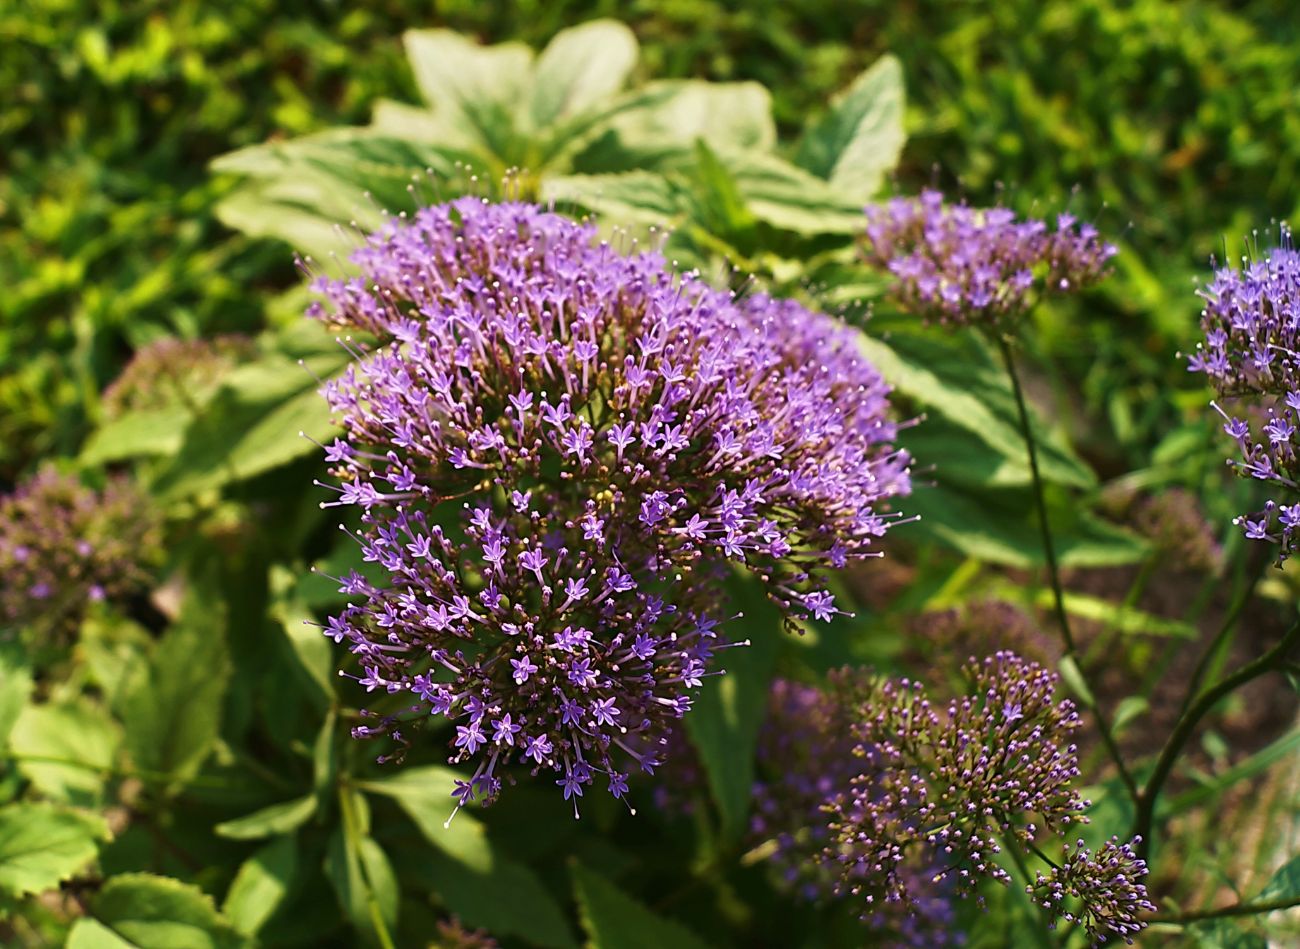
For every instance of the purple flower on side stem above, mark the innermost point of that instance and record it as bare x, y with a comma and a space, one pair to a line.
556, 449
958, 264
952, 787
63, 544
1101, 891
1251, 356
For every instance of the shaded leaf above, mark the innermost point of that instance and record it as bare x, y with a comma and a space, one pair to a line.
424, 793
261, 884
138, 434
1284, 884
42, 845
251, 426
156, 912
614, 920
171, 708
15, 688
729, 709
363, 880
270, 821
78, 733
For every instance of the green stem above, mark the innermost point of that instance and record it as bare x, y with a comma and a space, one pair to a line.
1187, 722
1229, 623
1049, 550
1237, 909
1053, 570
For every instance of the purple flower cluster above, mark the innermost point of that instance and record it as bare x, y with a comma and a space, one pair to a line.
1100, 891
172, 370
978, 628
1251, 352
952, 787
805, 759
63, 545
452, 934
555, 449
958, 264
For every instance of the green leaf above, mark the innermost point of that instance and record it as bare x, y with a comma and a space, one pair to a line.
665, 118
1074, 680
1128, 620
614, 920
42, 845
15, 688
269, 821
155, 912
1001, 527
729, 709
1284, 885
860, 139
579, 68
473, 89
261, 884
634, 196
508, 899
788, 197
171, 707
362, 878
315, 657
1170, 807
955, 377
138, 434
79, 733
256, 422
1224, 934
424, 793
87, 933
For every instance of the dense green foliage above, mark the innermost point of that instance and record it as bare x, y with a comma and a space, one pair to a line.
182, 766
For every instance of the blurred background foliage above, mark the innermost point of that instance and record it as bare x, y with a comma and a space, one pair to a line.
1175, 121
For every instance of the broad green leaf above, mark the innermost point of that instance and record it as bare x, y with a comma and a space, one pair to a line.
424, 793
614, 920
634, 196
15, 688
363, 880
473, 88
270, 821
257, 421
718, 203
1284, 884
155, 912
508, 899
261, 884
729, 709
42, 845
1001, 527
788, 197
668, 116
171, 708
88, 933
579, 68
78, 733
956, 377
860, 139
148, 432
1225, 934
315, 656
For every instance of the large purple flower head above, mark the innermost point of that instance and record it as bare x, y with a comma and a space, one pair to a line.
805, 760
1251, 356
958, 264
63, 544
555, 448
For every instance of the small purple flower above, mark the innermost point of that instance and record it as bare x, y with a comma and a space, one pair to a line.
958, 264
523, 668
